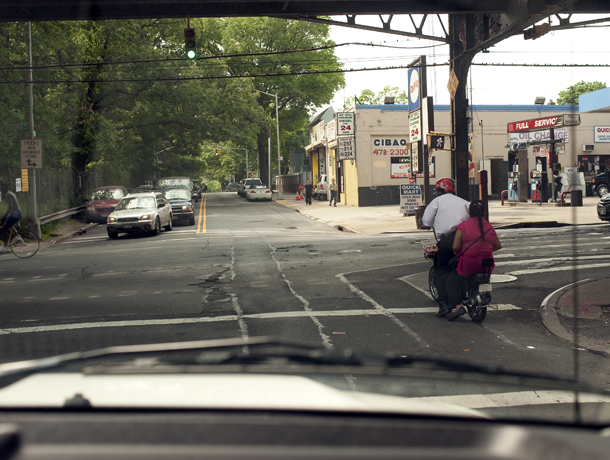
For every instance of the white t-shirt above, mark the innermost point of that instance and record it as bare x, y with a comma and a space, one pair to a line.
445, 213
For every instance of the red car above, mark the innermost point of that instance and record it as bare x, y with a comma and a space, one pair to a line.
103, 201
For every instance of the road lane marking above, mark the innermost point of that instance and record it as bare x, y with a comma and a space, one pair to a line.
557, 269
384, 311
201, 223
423, 291
550, 259
228, 318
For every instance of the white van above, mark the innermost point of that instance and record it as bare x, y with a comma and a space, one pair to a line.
322, 188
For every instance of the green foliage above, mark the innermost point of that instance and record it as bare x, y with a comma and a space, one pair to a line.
570, 95
368, 97
214, 186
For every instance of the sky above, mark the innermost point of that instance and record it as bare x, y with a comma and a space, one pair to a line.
490, 85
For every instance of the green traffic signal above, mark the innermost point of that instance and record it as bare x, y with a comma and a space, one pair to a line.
190, 43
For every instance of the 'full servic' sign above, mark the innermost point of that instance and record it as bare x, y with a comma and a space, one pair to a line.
530, 125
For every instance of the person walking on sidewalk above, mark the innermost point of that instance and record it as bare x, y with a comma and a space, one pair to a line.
333, 192
445, 213
308, 192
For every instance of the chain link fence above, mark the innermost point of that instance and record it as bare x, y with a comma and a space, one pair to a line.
54, 189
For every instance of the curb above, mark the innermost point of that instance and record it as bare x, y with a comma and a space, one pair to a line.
550, 319
77, 232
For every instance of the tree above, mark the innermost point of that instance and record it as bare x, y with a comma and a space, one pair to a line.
297, 94
570, 95
368, 97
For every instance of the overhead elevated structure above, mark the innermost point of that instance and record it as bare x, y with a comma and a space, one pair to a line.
472, 26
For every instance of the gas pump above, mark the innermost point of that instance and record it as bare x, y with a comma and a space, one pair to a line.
536, 185
513, 184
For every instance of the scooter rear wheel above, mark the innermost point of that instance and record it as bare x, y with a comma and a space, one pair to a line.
477, 313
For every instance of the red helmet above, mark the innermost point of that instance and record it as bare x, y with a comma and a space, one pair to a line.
448, 185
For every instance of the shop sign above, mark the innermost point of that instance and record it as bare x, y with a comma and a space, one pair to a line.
25, 181
601, 134
530, 125
415, 126
346, 148
410, 198
561, 134
415, 157
319, 132
400, 168
414, 93
345, 123
331, 130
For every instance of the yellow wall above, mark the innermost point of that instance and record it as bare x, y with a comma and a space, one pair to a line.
314, 167
350, 175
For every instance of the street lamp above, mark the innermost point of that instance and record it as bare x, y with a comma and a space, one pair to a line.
158, 162
277, 125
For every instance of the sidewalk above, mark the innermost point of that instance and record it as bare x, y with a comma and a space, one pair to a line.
387, 219
583, 308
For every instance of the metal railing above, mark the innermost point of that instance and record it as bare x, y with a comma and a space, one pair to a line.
61, 214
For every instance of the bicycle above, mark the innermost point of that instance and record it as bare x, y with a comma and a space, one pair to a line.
22, 243
477, 287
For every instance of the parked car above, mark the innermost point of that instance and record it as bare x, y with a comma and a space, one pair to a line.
182, 207
144, 188
140, 213
232, 187
243, 185
258, 192
603, 208
321, 192
601, 183
103, 201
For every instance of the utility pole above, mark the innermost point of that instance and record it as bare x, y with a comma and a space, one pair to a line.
34, 225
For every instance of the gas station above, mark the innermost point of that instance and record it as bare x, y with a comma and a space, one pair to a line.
546, 178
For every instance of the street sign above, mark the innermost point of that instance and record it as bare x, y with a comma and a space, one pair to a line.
410, 197
414, 92
346, 148
345, 123
25, 182
17, 126
568, 119
31, 153
452, 84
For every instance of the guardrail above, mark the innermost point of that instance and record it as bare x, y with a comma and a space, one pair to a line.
61, 214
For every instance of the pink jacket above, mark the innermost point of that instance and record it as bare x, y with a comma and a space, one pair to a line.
470, 262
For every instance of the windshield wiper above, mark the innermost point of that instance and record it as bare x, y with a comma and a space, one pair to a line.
304, 357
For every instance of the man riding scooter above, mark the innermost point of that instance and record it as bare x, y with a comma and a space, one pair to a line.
445, 213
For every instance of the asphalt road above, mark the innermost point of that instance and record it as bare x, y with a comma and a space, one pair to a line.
252, 269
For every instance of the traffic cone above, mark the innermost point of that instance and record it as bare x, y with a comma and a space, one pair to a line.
298, 197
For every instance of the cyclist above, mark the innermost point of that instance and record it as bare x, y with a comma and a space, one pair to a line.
11, 217
445, 213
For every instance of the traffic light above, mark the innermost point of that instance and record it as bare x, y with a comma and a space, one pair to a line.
190, 43
218, 151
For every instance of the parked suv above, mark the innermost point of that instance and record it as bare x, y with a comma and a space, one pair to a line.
103, 201
245, 184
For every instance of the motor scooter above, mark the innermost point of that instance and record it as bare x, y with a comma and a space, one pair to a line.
477, 287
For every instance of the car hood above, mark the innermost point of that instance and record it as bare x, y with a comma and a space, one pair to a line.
210, 391
133, 212
605, 199
104, 203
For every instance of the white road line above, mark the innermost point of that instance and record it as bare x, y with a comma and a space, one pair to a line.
227, 318
557, 269
550, 259
243, 327
384, 311
423, 291
325, 338
514, 399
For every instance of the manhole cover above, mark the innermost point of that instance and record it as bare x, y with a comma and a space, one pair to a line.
503, 278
